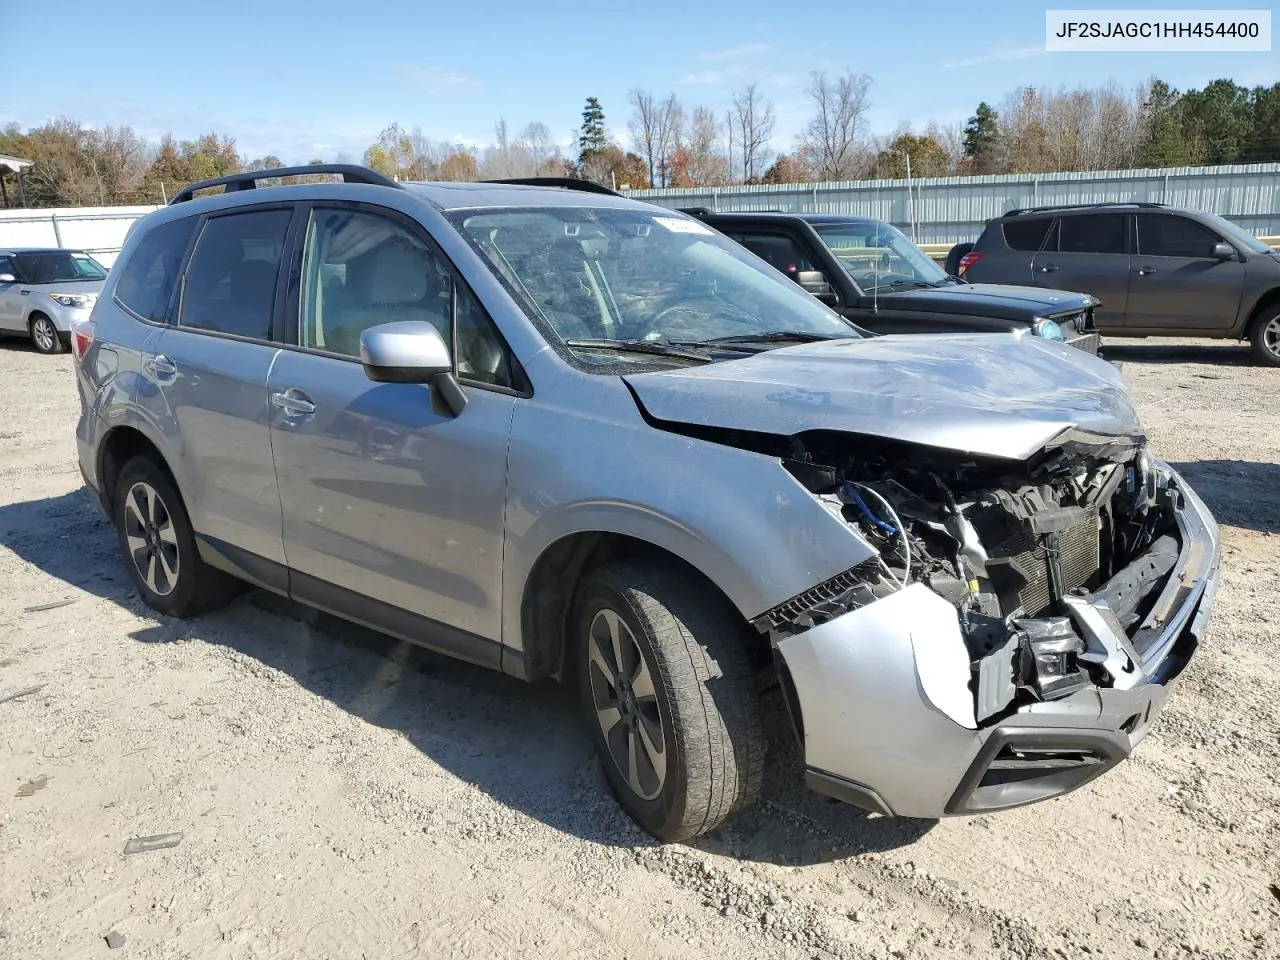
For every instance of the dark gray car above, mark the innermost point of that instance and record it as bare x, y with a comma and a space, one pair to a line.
1158, 270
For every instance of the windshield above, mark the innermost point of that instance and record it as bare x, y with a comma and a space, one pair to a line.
58, 267
1237, 233
600, 274
878, 255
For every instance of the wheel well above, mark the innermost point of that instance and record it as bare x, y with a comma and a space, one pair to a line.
31, 317
1267, 301
552, 586
119, 447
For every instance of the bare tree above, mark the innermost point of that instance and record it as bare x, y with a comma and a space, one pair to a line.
544, 155
752, 120
951, 137
707, 164
652, 125
833, 141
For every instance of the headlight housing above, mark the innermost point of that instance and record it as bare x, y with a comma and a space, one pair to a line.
77, 301
1048, 329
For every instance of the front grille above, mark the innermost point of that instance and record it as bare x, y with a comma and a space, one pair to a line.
1078, 559
1089, 343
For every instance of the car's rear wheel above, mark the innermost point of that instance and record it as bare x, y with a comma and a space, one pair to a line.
44, 335
666, 686
1265, 337
159, 546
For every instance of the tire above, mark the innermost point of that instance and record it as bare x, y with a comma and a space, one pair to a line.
691, 687
953, 258
1264, 335
159, 547
44, 335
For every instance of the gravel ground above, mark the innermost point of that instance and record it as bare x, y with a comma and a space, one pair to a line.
340, 794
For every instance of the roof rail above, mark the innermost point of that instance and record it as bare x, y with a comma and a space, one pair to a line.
1082, 206
564, 183
349, 172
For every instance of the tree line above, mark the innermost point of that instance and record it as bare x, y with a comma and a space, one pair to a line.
669, 144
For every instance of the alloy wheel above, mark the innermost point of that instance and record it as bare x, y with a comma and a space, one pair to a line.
626, 704
151, 538
44, 334
1271, 336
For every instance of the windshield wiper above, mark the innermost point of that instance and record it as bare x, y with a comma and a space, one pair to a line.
904, 283
657, 348
769, 336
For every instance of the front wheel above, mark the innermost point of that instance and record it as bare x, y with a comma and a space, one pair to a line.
44, 335
1265, 338
666, 686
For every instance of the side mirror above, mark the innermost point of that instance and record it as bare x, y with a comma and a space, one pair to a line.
8, 278
412, 351
813, 282
1223, 251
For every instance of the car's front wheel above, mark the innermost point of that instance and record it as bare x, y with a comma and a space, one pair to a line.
666, 685
159, 546
44, 335
1265, 338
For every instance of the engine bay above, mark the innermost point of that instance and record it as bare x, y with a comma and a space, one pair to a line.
1012, 545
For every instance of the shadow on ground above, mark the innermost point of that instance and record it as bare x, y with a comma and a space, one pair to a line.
1140, 351
522, 744
1240, 493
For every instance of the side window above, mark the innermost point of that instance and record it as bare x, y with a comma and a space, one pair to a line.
778, 250
1161, 236
147, 281
230, 284
6, 265
360, 270
1026, 234
1093, 233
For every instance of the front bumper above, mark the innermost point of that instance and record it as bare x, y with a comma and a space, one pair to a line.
883, 700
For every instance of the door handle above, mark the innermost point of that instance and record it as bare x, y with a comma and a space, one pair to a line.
25, 293
1048, 268
294, 403
160, 365
1144, 271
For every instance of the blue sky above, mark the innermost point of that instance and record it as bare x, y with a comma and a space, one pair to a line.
325, 77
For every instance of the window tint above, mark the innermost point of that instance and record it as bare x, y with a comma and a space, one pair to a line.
1024, 234
361, 270
777, 250
231, 280
1160, 236
148, 279
1093, 233
6, 265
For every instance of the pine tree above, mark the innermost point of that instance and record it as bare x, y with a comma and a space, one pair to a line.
982, 137
592, 138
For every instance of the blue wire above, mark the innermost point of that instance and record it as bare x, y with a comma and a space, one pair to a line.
887, 528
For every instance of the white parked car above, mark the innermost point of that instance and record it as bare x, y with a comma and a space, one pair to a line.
44, 291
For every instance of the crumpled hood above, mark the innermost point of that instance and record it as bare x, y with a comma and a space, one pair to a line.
993, 394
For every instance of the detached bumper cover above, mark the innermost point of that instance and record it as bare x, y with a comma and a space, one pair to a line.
888, 716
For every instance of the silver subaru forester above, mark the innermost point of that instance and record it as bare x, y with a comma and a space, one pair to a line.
567, 435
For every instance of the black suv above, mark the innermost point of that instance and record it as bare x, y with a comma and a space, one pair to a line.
1157, 270
876, 277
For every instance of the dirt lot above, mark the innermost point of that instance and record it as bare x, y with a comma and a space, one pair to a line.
343, 795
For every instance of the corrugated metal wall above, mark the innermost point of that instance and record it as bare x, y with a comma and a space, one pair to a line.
952, 209
98, 231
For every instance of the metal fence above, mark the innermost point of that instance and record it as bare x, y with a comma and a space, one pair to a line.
952, 209
938, 211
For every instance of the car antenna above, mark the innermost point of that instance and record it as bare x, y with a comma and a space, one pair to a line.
875, 276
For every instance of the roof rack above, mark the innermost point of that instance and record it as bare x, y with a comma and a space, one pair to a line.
349, 172
696, 211
1082, 206
564, 183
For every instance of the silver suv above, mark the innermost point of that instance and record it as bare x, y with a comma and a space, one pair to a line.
567, 435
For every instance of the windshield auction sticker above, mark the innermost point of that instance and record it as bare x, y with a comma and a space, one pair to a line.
1133, 30
680, 225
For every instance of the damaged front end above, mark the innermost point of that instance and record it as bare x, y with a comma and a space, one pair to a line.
1016, 633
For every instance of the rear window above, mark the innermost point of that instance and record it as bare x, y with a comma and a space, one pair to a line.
1026, 234
231, 280
148, 279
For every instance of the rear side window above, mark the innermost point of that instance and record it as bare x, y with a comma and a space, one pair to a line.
1026, 234
148, 279
231, 281
1160, 236
776, 249
1093, 233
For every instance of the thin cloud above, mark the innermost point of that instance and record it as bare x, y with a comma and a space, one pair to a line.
1008, 53
701, 79
442, 80
734, 53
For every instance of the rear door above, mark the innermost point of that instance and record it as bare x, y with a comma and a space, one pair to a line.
1177, 283
206, 386
1089, 253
